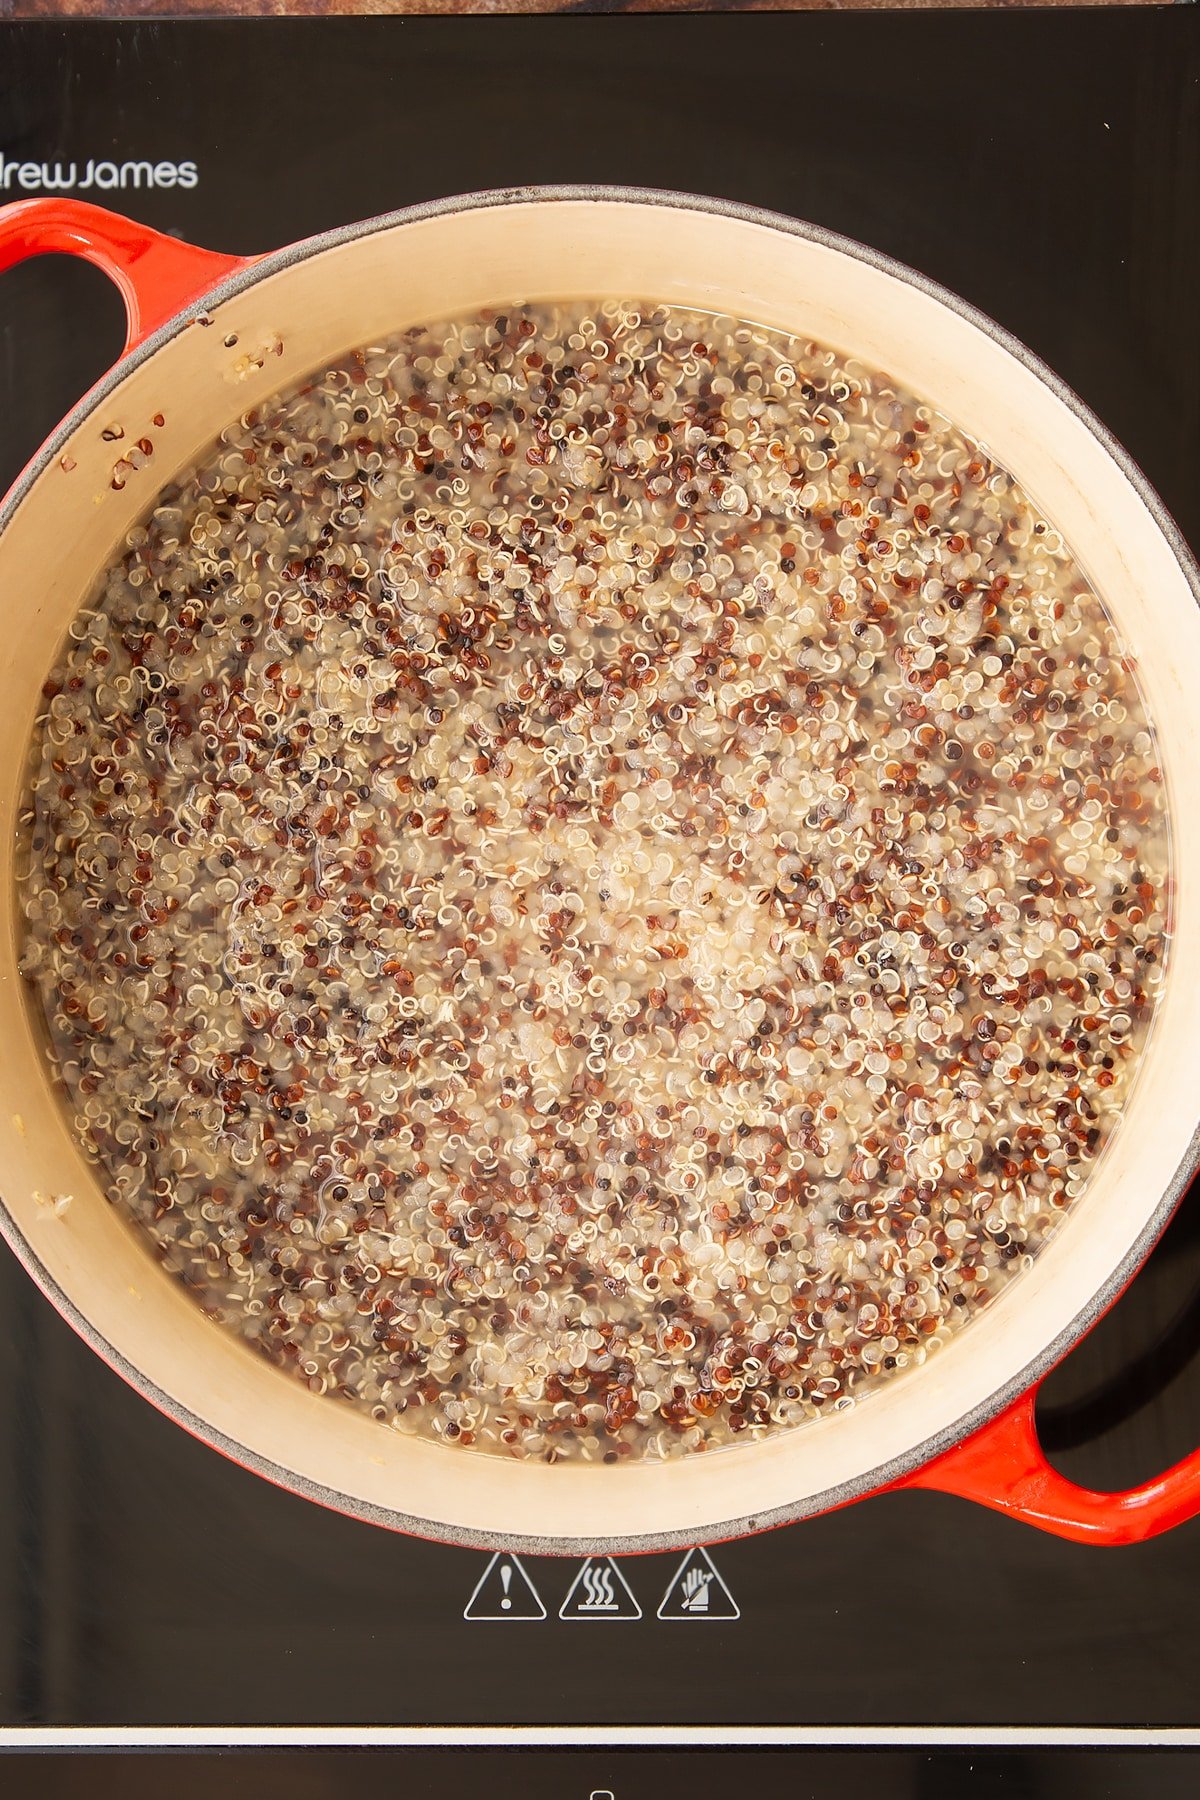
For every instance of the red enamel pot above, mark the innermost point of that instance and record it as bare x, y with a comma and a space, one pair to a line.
211, 336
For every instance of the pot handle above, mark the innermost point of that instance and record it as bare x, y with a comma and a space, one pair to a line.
1003, 1466
157, 275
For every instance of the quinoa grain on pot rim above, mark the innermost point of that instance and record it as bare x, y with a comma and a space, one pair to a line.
597, 878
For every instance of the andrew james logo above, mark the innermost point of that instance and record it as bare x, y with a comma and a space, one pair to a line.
77, 177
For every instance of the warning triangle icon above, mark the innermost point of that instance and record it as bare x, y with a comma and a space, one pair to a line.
504, 1591
696, 1591
599, 1591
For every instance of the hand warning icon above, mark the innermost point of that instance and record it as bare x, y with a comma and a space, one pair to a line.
696, 1591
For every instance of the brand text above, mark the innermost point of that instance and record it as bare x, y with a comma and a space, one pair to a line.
78, 176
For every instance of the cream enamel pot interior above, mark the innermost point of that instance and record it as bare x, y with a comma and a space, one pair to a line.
210, 337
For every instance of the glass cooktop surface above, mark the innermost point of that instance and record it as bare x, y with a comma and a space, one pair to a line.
1047, 167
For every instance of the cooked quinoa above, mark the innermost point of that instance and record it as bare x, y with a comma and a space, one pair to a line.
597, 877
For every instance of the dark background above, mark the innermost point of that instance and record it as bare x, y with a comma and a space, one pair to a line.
1047, 167
628, 1775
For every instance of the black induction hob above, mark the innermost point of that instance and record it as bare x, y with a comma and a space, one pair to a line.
1047, 167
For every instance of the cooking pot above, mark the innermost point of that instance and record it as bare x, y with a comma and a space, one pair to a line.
210, 337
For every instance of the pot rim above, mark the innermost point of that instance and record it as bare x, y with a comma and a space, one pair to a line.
886, 1475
